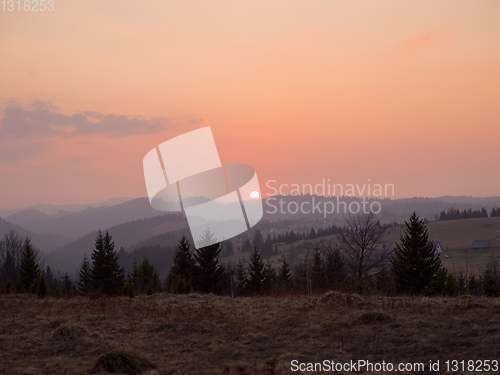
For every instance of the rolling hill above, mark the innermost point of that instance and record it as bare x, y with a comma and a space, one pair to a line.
43, 242
69, 257
77, 224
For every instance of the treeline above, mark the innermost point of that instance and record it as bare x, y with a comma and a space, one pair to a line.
268, 248
455, 214
360, 263
495, 212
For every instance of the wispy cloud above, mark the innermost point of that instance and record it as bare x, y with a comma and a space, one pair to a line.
42, 120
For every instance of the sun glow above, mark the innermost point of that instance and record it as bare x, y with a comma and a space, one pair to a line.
254, 194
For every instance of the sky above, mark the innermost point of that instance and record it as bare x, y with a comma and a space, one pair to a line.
391, 92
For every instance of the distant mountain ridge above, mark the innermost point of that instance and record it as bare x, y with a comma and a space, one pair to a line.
69, 256
51, 209
43, 242
134, 223
77, 224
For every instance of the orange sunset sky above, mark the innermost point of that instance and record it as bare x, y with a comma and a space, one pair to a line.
400, 92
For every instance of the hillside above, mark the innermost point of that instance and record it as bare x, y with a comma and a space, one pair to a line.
459, 234
43, 242
52, 209
455, 236
77, 224
69, 257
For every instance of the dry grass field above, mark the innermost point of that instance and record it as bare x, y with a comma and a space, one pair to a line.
206, 334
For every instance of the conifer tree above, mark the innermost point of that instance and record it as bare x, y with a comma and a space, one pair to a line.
414, 261
317, 274
285, 274
29, 268
256, 273
49, 278
107, 274
207, 271
335, 272
182, 270
67, 285
246, 246
241, 279
258, 240
269, 277
84, 282
148, 277
40, 286
134, 275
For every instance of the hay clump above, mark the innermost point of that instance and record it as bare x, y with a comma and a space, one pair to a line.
68, 332
339, 298
122, 362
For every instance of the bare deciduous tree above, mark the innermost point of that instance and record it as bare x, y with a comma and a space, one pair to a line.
364, 250
10, 256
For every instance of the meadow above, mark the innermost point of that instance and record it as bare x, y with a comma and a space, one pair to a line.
455, 236
206, 334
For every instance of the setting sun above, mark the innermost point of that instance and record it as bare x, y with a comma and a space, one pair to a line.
254, 194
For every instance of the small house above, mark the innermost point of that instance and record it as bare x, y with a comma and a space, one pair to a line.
480, 245
436, 246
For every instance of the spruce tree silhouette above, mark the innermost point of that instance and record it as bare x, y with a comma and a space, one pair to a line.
414, 261
207, 271
29, 267
107, 274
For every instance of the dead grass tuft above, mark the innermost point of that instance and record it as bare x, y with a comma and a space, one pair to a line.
373, 317
57, 322
122, 362
68, 332
339, 298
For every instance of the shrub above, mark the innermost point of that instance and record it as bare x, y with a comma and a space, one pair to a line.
181, 286
7, 289
128, 289
67, 333
39, 286
123, 363
441, 284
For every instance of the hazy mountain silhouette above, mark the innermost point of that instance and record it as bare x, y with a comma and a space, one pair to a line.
52, 209
134, 223
43, 242
77, 224
69, 257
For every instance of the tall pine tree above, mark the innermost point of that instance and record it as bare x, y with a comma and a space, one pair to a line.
84, 281
107, 274
256, 273
148, 277
414, 261
207, 271
29, 268
317, 272
241, 279
285, 274
182, 270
